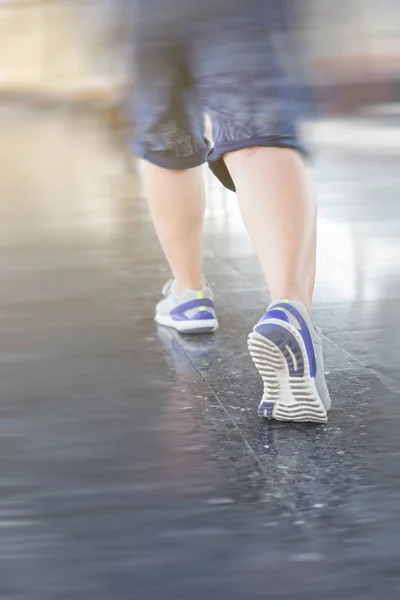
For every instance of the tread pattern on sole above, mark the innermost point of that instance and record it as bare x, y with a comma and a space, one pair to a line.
278, 355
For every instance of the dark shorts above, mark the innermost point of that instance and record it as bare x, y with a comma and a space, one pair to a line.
196, 57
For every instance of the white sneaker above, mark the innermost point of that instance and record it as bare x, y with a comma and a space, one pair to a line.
190, 312
287, 351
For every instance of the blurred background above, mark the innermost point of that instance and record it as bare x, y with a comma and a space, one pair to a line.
78, 52
81, 49
133, 464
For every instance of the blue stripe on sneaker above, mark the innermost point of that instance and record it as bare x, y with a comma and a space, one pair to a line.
305, 334
178, 313
287, 343
202, 315
276, 314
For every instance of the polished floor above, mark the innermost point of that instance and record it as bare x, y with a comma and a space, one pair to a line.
133, 463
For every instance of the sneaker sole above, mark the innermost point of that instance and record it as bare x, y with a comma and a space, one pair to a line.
286, 397
198, 326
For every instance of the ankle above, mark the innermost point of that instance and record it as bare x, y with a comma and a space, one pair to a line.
189, 283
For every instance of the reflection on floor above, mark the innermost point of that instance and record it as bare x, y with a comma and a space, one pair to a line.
133, 462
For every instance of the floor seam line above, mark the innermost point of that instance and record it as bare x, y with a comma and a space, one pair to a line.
247, 443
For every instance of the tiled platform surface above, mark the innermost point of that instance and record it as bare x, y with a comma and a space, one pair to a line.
133, 463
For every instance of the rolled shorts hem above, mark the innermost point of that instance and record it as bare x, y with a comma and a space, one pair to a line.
178, 163
215, 157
